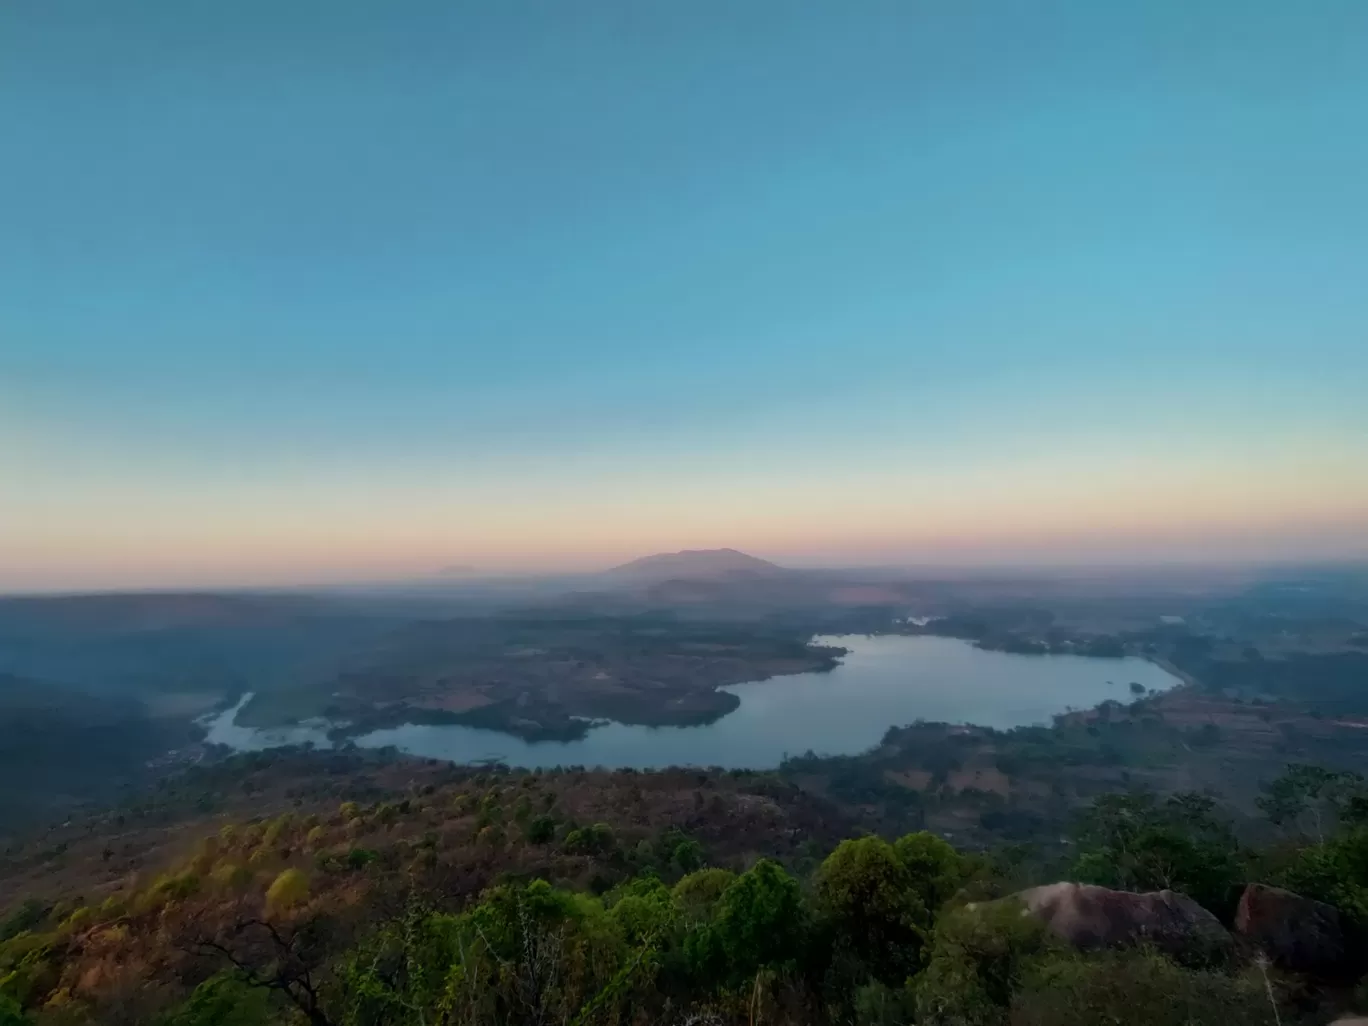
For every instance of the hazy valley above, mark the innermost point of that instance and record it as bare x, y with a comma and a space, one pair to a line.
121, 812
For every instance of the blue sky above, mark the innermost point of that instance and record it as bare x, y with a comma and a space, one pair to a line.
317, 291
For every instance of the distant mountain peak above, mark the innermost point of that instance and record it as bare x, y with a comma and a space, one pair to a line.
695, 563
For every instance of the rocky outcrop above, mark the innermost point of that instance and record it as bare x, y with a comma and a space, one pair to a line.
1299, 934
1089, 917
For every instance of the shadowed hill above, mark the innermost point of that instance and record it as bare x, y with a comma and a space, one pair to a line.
60, 748
693, 564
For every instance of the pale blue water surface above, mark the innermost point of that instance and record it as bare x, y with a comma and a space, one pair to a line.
883, 681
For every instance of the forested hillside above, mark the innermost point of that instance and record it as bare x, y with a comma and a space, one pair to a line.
338, 890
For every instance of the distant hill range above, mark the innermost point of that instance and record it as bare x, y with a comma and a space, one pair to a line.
695, 565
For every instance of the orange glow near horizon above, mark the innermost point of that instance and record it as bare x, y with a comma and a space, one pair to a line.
204, 540
106, 514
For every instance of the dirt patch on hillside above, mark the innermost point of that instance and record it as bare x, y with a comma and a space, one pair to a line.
913, 780
983, 779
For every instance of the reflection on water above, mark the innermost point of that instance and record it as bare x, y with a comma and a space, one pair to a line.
883, 681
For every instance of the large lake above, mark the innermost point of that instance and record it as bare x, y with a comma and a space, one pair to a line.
884, 681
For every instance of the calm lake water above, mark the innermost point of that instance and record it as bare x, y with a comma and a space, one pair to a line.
883, 681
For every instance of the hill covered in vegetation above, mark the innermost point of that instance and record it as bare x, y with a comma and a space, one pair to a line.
336, 888
902, 885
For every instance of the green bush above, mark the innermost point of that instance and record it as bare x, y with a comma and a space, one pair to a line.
222, 1000
11, 1014
288, 890
177, 886
276, 830
978, 956
1137, 989
25, 917
360, 858
876, 1004
231, 876
1136, 842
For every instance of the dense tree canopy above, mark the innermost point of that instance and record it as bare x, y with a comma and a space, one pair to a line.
339, 922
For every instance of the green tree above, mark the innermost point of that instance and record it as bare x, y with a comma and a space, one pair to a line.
680, 851
231, 876
222, 1000
396, 975
877, 1004
1137, 989
936, 869
360, 858
591, 840
699, 893
288, 890
870, 905
1334, 871
1312, 800
541, 830
760, 922
177, 886
645, 912
277, 829
977, 957
535, 954
25, 917
1136, 842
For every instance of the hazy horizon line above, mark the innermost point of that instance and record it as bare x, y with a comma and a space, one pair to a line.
919, 571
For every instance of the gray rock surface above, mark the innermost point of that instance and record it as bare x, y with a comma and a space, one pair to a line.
1090, 917
1296, 933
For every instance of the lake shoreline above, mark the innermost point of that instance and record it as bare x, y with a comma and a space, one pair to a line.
880, 682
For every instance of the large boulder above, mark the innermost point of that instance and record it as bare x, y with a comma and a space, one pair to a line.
1090, 917
1296, 933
